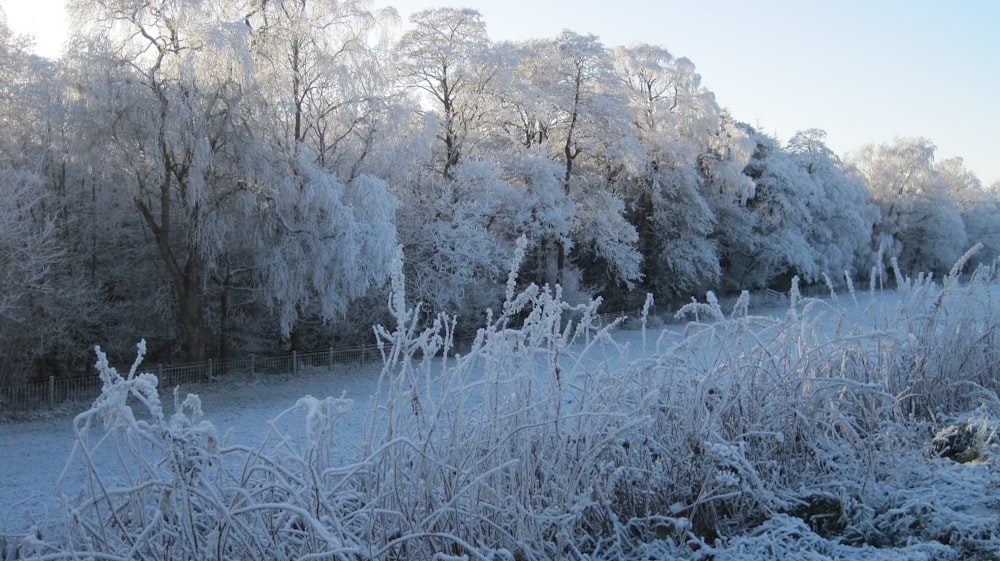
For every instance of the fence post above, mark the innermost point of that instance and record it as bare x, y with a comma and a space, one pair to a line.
331, 357
52, 392
209, 370
295, 364
253, 367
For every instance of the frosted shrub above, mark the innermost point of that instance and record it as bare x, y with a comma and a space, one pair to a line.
950, 358
787, 413
767, 411
157, 487
509, 450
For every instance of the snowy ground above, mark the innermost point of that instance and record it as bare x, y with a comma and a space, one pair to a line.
34, 452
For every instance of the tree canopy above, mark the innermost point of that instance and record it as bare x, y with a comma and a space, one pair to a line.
223, 177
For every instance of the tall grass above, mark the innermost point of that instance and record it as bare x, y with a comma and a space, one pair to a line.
545, 440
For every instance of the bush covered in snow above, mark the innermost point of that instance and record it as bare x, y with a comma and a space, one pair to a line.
819, 435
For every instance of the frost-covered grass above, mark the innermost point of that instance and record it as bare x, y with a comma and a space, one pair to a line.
840, 430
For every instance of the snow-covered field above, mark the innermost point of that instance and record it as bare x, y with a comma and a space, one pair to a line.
799, 432
34, 453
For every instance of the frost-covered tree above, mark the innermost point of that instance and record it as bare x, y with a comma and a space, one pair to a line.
728, 151
811, 216
449, 224
37, 291
727, 189
673, 118
980, 207
322, 92
224, 159
842, 212
447, 57
322, 243
583, 109
577, 113
781, 220
320, 77
178, 74
455, 251
107, 239
519, 147
920, 226
25, 84
534, 204
47, 306
227, 172
673, 111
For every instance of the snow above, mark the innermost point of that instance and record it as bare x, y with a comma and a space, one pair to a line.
244, 412
34, 452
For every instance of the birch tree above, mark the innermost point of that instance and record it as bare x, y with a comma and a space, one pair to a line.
229, 171
576, 112
447, 57
181, 132
321, 93
318, 71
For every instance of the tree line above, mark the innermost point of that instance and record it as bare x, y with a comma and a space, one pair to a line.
236, 176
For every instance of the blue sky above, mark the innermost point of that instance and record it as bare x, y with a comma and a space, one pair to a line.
866, 71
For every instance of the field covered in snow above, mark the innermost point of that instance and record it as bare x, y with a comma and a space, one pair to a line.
853, 426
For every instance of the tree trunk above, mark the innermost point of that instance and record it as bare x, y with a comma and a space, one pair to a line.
643, 219
186, 282
550, 261
224, 343
192, 320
